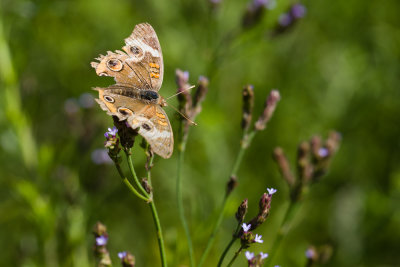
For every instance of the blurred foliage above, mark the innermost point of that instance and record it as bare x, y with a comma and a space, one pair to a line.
336, 68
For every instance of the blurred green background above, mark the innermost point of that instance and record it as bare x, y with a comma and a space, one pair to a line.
336, 68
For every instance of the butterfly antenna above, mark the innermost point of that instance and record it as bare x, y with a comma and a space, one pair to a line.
181, 92
183, 115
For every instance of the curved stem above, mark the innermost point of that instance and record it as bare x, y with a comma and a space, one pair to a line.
221, 260
179, 196
235, 256
129, 185
135, 178
283, 230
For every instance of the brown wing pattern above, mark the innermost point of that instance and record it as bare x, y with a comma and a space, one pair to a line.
150, 119
140, 65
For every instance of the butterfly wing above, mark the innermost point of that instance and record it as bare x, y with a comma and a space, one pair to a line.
140, 65
150, 119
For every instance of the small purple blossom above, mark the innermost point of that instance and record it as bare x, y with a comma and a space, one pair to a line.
122, 254
111, 132
298, 11
310, 253
263, 255
285, 19
246, 227
271, 191
249, 255
259, 3
258, 239
323, 152
101, 240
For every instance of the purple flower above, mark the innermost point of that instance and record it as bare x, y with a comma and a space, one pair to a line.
101, 240
310, 253
259, 3
323, 152
249, 255
263, 255
298, 11
122, 254
271, 191
285, 19
111, 132
258, 239
246, 227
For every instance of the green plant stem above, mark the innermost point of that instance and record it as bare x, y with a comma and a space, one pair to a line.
221, 260
135, 178
179, 196
245, 143
235, 256
129, 185
283, 230
159, 233
153, 208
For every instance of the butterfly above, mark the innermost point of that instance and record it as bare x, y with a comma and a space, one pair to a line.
138, 72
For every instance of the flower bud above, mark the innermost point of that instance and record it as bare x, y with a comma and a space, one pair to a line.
232, 183
248, 103
146, 185
127, 259
284, 166
269, 108
126, 133
241, 212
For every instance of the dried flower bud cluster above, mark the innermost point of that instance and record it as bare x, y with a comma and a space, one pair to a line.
269, 108
126, 133
100, 249
288, 19
318, 256
112, 144
313, 160
264, 207
255, 12
241, 212
188, 105
245, 234
127, 259
248, 104
255, 261
231, 184
146, 185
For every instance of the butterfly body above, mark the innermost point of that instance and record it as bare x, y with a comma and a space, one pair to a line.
138, 72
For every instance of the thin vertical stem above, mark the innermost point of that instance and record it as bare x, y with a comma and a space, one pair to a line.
235, 256
159, 234
221, 260
245, 142
179, 196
